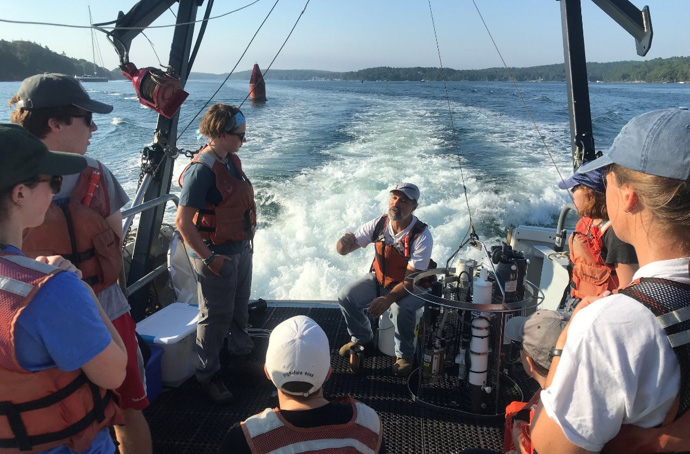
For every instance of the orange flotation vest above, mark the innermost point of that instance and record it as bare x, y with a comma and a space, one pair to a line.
48, 408
590, 275
234, 218
79, 232
523, 411
268, 432
669, 301
390, 264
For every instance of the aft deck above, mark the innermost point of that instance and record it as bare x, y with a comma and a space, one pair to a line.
184, 421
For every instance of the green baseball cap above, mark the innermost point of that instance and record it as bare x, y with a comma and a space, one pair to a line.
23, 155
55, 90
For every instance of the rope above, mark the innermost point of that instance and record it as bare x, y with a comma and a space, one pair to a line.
524, 103
230, 73
103, 26
470, 230
281, 48
240, 59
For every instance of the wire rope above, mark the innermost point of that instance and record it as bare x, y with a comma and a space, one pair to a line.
242, 56
522, 99
103, 25
471, 230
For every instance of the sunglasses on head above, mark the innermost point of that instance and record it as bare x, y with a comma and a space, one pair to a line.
88, 118
55, 182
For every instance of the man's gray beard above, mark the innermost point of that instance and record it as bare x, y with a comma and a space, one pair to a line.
394, 215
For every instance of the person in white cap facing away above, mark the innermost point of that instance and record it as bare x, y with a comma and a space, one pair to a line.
622, 383
298, 362
599, 260
84, 224
403, 246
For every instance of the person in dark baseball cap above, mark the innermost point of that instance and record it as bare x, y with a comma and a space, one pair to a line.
23, 157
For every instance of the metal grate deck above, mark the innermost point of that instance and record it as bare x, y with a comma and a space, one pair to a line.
184, 421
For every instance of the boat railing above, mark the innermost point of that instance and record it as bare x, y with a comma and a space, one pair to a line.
128, 216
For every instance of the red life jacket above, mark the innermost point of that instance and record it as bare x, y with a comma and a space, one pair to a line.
234, 218
668, 300
517, 409
590, 274
79, 232
390, 264
48, 408
268, 432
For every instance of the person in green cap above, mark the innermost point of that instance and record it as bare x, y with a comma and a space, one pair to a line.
59, 353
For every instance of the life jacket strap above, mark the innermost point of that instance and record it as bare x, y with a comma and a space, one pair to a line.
25, 442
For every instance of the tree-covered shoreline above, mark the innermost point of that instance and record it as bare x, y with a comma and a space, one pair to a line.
21, 59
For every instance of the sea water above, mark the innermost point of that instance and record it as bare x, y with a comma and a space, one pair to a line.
322, 155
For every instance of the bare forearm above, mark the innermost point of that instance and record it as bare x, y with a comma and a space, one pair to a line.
346, 244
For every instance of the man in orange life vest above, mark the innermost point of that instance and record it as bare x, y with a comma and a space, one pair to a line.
403, 246
84, 223
298, 362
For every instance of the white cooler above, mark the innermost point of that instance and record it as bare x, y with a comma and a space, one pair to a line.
173, 328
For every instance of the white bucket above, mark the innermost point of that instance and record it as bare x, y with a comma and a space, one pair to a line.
386, 332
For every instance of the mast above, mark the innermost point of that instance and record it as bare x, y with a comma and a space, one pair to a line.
93, 44
160, 155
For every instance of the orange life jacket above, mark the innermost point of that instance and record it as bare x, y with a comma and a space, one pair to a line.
268, 432
668, 300
48, 408
590, 274
390, 264
234, 218
79, 232
516, 409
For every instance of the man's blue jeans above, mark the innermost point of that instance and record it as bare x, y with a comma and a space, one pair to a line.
354, 299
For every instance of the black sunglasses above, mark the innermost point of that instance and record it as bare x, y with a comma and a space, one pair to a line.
88, 118
239, 135
55, 182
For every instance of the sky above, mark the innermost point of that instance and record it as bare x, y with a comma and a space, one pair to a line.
348, 35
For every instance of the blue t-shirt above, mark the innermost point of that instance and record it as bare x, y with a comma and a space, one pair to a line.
199, 188
61, 328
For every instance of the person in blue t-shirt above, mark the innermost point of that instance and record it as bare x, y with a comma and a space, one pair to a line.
55, 336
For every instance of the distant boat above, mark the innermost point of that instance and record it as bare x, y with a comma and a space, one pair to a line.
92, 77
257, 86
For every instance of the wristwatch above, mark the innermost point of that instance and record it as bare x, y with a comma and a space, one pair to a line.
555, 352
208, 260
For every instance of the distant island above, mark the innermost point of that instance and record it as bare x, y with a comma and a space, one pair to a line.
21, 59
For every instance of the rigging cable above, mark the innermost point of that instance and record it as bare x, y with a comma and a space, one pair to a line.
240, 59
524, 103
471, 231
279, 50
103, 25
230, 73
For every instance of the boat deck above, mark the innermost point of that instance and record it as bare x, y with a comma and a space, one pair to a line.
184, 421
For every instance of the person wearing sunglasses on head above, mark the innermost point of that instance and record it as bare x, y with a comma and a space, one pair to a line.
216, 217
84, 223
59, 353
599, 261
